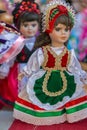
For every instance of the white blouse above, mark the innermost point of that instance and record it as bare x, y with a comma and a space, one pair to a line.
34, 72
37, 59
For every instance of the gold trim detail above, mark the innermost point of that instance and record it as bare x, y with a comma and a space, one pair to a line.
53, 94
57, 66
58, 59
47, 15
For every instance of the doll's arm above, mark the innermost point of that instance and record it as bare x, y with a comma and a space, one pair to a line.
75, 68
34, 62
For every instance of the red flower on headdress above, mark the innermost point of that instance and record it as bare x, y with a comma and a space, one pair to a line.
27, 6
23, 2
62, 9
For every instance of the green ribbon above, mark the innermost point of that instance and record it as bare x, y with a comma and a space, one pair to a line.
39, 114
77, 108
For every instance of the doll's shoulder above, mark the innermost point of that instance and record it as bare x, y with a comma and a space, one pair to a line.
38, 52
72, 54
72, 51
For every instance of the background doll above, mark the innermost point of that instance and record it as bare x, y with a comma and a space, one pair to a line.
10, 81
77, 38
11, 43
54, 91
26, 17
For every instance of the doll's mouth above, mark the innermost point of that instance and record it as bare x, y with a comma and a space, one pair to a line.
63, 37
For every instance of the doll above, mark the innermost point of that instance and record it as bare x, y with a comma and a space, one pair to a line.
55, 91
26, 17
24, 22
11, 43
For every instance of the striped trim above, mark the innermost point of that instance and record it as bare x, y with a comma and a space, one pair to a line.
70, 108
39, 113
74, 111
38, 120
28, 104
77, 108
76, 101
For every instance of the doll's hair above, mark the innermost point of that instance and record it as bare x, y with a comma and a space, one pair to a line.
44, 38
26, 11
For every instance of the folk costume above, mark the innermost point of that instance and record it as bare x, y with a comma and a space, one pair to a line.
22, 10
11, 43
55, 89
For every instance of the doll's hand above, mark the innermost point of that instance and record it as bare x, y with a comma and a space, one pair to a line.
85, 87
20, 76
84, 79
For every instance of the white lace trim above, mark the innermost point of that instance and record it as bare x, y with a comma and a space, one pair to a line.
71, 118
37, 120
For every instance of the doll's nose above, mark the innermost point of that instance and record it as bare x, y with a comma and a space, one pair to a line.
29, 27
63, 31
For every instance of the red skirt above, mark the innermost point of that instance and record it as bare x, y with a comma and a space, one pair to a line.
9, 87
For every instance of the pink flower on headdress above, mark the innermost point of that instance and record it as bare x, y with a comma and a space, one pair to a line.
21, 8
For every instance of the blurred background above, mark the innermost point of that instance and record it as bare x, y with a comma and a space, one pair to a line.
77, 40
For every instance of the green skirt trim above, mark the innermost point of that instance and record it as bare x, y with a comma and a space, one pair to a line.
37, 113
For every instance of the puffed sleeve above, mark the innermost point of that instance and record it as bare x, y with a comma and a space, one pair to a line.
34, 63
75, 68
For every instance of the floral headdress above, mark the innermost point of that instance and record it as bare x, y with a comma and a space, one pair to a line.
25, 6
53, 10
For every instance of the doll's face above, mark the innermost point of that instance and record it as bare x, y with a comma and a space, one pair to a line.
59, 35
29, 29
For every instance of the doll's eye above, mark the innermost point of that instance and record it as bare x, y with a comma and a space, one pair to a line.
25, 25
57, 29
33, 25
67, 29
